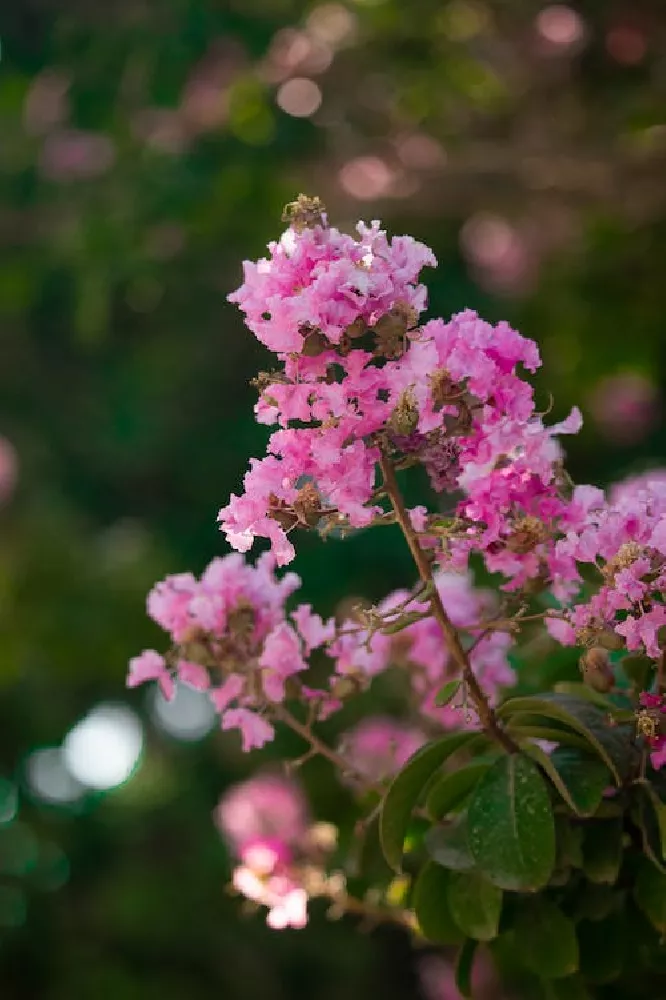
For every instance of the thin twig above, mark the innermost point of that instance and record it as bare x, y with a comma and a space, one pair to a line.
323, 749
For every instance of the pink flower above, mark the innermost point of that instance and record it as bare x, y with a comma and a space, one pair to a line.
379, 746
194, 675
312, 629
150, 666
281, 658
265, 807
255, 731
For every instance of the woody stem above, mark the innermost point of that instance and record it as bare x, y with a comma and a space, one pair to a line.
486, 715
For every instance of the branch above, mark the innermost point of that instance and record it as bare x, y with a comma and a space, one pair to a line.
458, 654
318, 746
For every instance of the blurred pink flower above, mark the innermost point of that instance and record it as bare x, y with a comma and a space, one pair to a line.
45, 104
266, 807
437, 978
379, 746
8, 469
72, 154
625, 407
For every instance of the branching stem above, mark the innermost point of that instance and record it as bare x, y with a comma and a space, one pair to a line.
486, 715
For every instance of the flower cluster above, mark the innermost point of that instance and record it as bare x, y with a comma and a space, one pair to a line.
623, 541
232, 637
359, 377
363, 391
281, 854
419, 646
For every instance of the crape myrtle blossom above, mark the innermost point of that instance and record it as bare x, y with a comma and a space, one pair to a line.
380, 745
420, 650
281, 853
362, 390
624, 540
358, 375
232, 636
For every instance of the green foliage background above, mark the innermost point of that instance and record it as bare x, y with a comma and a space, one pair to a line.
124, 390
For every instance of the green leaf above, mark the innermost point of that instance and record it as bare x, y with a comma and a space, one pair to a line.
650, 894
602, 850
475, 904
406, 789
464, 967
547, 938
569, 843
613, 743
581, 779
452, 789
511, 825
649, 816
447, 693
523, 727
579, 690
448, 845
602, 945
431, 905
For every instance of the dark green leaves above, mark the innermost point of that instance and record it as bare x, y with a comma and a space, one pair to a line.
475, 904
580, 778
547, 939
464, 967
448, 845
602, 851
431, 905
452, 789
650, 894
404, 793
511, 825
575, 716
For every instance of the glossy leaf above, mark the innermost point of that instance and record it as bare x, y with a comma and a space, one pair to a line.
511, 825
581, 779
611, 742
447, 693
431, 905
448, 845
406, 790
648, 814
452, 789
475, 904
523, 727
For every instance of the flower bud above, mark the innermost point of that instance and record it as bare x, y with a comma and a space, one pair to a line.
596, 669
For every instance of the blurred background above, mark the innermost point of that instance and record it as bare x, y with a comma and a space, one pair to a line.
146, 148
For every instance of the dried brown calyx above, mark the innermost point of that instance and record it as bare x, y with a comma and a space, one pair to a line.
307, 505
314, 341
625, 556
528, 532
443, 389
306, 509
391, 330
305, 213
405, 417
